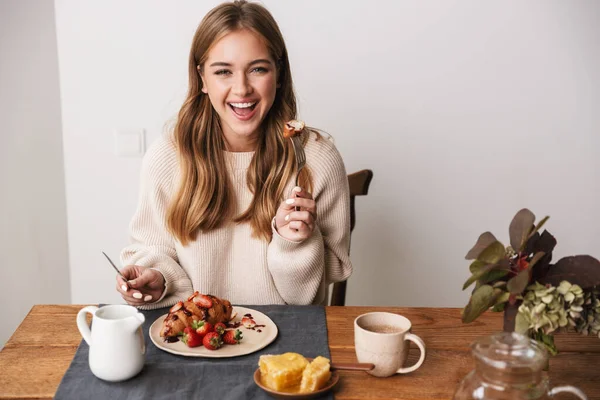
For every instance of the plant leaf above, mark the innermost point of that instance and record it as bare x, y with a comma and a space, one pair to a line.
470, 281
547, 341
476, 266
519, 228
499, 307
493, 275
537, 257
500, 302
517, 284
485, 271
582, 270
546, 243
502, 298
531, 243
476, 275
484, 240
500, 284
501, 270
538, 226
481, 299
521, 324
493, 253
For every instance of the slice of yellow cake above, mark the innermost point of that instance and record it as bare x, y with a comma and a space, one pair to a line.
315, 376
280, 372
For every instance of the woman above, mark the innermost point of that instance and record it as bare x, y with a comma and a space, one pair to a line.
218, 211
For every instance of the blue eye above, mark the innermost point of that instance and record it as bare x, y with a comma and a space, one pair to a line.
222, 72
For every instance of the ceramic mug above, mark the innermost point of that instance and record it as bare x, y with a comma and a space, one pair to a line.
382, 338
117, 349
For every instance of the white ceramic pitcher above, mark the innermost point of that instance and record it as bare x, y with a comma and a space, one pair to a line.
117, 348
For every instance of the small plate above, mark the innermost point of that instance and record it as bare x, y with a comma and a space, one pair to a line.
252, 340
335, 377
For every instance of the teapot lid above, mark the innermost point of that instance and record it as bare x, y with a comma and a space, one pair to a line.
509, 350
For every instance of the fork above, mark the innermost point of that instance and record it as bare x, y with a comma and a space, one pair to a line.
300, 158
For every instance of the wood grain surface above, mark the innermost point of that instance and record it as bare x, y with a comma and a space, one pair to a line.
36, 357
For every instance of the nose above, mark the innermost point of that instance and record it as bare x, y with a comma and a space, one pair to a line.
241, 85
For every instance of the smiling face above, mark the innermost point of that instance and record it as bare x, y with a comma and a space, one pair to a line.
240, 78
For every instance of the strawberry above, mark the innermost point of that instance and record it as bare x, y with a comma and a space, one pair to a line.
220, 328
202, 301
232, 337
191, 338
176, 307
248, 322
212, 341
197, 324
202, 327
196, 293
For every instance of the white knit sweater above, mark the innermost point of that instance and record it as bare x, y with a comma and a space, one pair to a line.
228, 262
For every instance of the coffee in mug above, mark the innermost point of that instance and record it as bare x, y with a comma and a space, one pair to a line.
382, 328
382, 338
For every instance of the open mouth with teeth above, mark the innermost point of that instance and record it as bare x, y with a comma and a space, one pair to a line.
243, 109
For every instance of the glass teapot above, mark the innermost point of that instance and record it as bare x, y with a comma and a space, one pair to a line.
509, 365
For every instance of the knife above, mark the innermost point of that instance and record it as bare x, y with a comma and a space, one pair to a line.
125, 287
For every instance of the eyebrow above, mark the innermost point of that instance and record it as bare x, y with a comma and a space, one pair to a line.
225, 64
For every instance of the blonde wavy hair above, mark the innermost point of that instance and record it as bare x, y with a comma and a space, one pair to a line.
204, 198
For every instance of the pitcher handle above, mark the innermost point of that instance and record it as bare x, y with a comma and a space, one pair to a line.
84, 328
421, 345
568, 389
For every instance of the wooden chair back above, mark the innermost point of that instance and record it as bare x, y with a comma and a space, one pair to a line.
359, 186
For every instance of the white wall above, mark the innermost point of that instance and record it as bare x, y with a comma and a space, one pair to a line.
33, 229
466, 111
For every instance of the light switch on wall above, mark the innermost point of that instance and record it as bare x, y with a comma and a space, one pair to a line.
130, 142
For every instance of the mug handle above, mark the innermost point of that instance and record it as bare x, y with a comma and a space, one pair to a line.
568, 389
84, 328
421, 345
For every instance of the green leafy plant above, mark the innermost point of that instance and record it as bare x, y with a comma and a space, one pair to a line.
538, 298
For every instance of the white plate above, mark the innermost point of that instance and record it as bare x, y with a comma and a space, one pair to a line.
252, 340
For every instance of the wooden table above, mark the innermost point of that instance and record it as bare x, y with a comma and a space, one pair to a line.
36, 357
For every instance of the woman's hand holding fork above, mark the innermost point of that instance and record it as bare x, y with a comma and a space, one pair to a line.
296, 225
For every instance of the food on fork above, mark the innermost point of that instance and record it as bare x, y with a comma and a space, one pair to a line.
292, 372
292, 128
198, 307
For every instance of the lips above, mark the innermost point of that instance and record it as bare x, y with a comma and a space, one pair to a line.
243, 110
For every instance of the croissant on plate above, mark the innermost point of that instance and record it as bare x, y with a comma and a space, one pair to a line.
198, 307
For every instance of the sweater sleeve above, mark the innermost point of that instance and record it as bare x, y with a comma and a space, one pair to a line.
151, 243
302, 270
